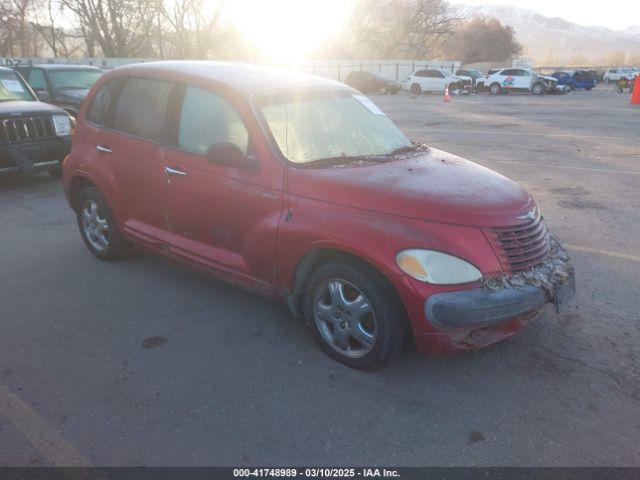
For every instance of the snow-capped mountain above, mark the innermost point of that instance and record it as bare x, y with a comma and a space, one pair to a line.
555, 40
634, 31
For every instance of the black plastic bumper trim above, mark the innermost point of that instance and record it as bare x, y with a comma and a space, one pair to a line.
482, 307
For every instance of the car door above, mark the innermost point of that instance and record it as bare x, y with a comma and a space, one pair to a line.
437, 80
508, 79
420, 77
522, 79
135, 148
222, 216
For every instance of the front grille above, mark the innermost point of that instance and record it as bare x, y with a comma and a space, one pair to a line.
522, 246
25, 128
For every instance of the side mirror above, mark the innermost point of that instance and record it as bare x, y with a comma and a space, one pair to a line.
43, 94
227, 154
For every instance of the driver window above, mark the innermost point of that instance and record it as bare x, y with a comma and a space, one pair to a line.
207, 118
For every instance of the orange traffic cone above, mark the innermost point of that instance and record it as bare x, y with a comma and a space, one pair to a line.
446, 94
635, 96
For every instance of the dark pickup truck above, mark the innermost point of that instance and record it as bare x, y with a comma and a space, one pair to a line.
34, 136
61, 85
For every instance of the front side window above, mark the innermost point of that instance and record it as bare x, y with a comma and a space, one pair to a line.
318, 125
206, 119
73, 79
141, 109
13, 88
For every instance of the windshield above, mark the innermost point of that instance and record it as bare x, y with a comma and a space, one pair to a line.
312, 126
13, 88
73, 78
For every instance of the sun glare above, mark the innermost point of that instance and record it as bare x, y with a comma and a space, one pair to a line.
286, 31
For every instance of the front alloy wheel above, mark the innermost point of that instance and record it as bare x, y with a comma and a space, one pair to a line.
344, 317
355, 314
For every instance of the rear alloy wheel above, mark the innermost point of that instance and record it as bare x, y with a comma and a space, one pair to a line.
98, 227
495, 89
415, 89
355, 315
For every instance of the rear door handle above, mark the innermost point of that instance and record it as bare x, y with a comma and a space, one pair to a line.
173, 171
103, 149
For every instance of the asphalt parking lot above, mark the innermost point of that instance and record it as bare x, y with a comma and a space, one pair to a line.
145, 362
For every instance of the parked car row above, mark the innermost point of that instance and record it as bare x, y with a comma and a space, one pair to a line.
496, 81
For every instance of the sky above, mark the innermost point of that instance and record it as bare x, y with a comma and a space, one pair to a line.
615, 15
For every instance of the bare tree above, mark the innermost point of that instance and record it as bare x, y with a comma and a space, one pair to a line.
45, 18
401, 28
121, 28
192, 27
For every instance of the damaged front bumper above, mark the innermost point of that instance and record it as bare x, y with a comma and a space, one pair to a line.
502, 299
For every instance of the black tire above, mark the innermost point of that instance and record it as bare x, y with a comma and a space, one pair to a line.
387, 313
116, 245
538, 88
495, 89
415, 89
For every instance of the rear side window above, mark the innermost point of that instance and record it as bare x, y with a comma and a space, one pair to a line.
37, 80
141, 109
207, 118
102, 101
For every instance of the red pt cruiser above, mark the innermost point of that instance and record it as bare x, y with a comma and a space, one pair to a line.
301, 189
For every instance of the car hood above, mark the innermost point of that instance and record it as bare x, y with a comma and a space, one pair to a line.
434, 186
550, 79
18, 108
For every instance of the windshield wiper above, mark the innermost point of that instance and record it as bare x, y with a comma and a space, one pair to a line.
346, 159
414, 147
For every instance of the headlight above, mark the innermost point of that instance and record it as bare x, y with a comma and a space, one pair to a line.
436, 267
62, 125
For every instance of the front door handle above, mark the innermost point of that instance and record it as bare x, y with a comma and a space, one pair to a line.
103, 149
173, 171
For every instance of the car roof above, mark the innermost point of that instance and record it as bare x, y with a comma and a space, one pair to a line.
61, 66
246, 79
